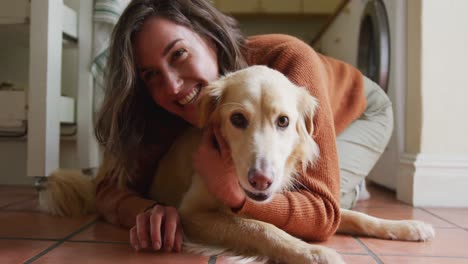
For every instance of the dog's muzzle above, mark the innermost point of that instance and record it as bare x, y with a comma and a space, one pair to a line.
259, 197
260, 181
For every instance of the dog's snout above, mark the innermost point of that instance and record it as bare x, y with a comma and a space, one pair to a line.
259, 180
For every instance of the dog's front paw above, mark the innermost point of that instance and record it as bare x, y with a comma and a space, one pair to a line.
327, 256
413, 230
314, 254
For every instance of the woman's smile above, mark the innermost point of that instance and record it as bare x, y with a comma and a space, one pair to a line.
190, 96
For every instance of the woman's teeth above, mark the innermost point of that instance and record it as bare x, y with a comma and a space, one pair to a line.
189, 98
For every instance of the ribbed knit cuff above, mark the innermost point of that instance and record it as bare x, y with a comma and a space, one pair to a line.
130, 207
275, 212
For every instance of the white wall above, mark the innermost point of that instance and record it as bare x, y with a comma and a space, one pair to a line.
434, 169
444, 77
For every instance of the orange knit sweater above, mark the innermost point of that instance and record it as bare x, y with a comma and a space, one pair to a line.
311, 214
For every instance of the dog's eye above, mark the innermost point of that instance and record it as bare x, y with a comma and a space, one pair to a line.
238, 120
283, 121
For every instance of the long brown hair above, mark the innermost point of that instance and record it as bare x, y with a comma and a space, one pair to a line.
128, 113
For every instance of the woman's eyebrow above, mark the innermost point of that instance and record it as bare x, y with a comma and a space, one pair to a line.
164, 53
170, 45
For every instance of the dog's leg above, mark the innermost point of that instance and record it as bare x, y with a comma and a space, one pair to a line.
253, 238
356, 223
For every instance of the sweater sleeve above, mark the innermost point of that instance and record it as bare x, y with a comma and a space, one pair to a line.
312, 212
119, 204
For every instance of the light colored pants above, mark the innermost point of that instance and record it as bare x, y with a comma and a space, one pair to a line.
362, 143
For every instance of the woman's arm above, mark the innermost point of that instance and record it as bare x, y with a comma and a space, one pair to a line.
152, 225
118, 205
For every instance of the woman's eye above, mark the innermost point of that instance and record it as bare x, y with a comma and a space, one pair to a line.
149, 75
283, 121
179, 54
238, 120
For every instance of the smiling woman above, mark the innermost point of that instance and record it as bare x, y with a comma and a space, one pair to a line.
162, 55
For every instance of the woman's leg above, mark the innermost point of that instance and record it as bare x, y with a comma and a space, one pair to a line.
362, 143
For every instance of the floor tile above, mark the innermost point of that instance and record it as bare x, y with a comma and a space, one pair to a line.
95, 253
6, 199
344, 244
102, 231
359, 259
38, 225
13, 194
380, 197
104, 243
17, 190
18, 251
422, 260
400, 213
458, 216
452, 242
28, 205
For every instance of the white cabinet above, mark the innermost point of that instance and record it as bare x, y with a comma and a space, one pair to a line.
42, 27
19, 12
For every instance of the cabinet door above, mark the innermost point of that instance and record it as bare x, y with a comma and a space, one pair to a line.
238, 6
320, 6
281, 6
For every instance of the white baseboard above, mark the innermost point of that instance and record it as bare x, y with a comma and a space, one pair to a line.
433, 180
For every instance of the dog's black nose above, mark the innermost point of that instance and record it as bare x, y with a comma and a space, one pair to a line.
259, 180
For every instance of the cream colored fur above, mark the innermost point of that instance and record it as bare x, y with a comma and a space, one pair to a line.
68, 193
261, 95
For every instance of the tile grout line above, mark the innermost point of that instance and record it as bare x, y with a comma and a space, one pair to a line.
440, 217
212, 259
373, 255
61, 241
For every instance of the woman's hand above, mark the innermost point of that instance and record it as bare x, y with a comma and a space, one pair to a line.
158, 228
214, 164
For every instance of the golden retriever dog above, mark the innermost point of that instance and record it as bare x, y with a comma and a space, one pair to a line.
266, 121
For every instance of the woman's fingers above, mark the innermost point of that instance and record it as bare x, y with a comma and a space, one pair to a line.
156, 221
179, 238
134, 238
142, 230
159, 227
170, 227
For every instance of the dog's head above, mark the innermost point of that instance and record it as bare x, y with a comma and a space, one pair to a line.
267, 122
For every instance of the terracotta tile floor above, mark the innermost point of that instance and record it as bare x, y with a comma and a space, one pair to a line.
28, 236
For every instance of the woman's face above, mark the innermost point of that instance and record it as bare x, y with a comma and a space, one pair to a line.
175, 63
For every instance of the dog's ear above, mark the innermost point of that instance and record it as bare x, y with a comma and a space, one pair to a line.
209, 100
307, 107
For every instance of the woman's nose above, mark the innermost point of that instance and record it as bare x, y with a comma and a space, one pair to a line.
173, 82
